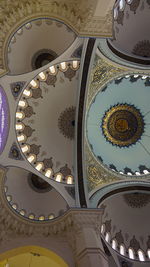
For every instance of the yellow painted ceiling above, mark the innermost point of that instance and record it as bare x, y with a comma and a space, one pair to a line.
31, 260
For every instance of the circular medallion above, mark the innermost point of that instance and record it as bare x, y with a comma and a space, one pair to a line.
123, 125
66, 122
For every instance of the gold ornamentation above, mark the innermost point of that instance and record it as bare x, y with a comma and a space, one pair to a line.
101, 74
123, 125
96, 172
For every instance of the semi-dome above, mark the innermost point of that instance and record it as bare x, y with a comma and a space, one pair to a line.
37, 43
131, 31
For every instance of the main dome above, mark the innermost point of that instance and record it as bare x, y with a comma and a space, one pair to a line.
118, 125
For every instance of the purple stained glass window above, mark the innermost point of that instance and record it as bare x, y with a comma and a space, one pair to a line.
4, 119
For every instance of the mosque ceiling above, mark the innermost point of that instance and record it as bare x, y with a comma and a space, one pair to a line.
86, 18
43, 102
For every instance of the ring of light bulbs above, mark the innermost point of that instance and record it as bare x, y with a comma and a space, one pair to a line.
23, 212
121, 248
20, 115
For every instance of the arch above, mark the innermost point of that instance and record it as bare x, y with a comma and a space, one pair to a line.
35, 250
98, 195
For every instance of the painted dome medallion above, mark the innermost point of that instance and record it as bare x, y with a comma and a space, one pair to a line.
118, 125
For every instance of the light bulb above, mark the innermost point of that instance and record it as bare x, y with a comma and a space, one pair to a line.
75, 64
42, 76
63, 65
48, 173
69, 179
20, 115
21, 138
27, 93
25, 148
52, 69
58, 177
39, 166
31, 158
33, 83
19, 126
22, 103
